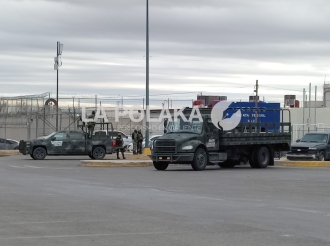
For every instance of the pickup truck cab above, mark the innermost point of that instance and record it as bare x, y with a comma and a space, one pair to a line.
68, 143
313, 146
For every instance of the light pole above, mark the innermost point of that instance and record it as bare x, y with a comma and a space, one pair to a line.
147, 75
57, 64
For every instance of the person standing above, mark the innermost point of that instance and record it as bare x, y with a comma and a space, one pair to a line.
140, 140
91, 125
135, 141
120, 147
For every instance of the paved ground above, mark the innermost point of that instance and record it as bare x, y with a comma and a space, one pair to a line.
58, 202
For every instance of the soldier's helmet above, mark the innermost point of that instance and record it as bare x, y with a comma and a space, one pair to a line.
135, 130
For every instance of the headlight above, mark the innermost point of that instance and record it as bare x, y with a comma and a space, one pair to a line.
187, 147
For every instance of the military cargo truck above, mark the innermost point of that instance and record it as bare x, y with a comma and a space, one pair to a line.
70, 143
200, 142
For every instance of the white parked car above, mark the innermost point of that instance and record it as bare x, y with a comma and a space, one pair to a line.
127, 139
151, 140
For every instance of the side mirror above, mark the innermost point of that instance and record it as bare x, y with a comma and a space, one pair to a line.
298, 140
165, 125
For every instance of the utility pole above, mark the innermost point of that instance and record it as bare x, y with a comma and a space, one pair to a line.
304, 97
315, 104
256, 99
57, 64
309, 106
147, 74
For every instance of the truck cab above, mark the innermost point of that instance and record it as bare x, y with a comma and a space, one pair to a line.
200, 142
69, 143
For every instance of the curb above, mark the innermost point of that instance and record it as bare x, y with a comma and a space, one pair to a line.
115, 163
303, 163
4, 153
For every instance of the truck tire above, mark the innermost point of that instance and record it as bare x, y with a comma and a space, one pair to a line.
98, 153
32, 156
321, 156
200, 160
252, 160
39, 153
262, 157
160, 165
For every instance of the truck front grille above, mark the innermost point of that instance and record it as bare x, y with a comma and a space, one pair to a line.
300, 149
164, 146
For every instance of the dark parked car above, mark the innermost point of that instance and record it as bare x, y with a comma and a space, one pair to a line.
313, 146
8, 144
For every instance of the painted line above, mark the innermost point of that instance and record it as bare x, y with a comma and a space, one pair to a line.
93, 235
303, 163
306, 211
106, 163
15, 166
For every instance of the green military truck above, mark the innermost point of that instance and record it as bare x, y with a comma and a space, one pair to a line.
70, 143
200, 143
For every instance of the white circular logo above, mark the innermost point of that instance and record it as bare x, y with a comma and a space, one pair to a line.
224, 117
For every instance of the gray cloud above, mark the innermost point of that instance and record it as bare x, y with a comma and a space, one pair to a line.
213, 46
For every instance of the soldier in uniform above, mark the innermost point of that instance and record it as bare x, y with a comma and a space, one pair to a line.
91, 125
120, 147
135, 141
140, 140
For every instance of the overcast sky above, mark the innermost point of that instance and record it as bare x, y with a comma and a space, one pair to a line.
217, 47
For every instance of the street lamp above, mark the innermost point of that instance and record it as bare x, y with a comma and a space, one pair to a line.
147, 74
57, 64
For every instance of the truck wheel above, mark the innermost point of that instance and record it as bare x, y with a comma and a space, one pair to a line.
32, 156
160, 165
200, 160
321, 156
227, 164
91, 156
98, 153
252, 160
39, 153
261, 157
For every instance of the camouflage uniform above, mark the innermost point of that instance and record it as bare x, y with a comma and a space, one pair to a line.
119, 144
140, 140
135, 141
91, 125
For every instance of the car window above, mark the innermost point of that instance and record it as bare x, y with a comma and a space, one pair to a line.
2, 140
9, 142
76, 135
60, 136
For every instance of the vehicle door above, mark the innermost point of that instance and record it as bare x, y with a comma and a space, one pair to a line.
2, 143
59, 144
9, 145
77, 142
212, 136
327, 151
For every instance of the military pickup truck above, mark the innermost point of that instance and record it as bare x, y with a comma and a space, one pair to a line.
313, 146
200, 143
69, 143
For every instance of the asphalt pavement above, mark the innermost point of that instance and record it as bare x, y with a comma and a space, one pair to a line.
58, 202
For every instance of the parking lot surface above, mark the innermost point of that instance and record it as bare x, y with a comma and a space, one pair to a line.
58, 202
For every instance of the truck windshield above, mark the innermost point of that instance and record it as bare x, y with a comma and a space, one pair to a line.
315, 138
178, 125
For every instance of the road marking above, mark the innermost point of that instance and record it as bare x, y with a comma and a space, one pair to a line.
93, 235
31, 166
306, 210
14, 166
